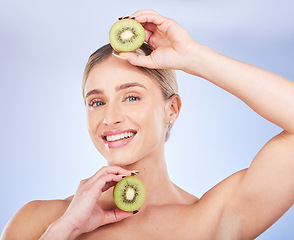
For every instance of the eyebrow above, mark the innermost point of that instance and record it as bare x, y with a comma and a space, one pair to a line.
118, 88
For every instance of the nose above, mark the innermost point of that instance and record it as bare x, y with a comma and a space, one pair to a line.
113, 115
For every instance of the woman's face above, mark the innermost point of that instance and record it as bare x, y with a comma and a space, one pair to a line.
127, 114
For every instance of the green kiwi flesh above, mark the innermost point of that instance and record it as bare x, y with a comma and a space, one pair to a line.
126, 35
129, 194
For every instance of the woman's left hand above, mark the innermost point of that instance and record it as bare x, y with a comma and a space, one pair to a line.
170, 42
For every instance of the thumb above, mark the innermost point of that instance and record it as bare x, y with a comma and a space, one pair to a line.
116, 215
138, 60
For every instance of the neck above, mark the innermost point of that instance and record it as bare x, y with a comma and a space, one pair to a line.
153, 173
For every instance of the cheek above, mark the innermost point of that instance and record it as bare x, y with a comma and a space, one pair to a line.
153, 118
93, 122
158, 124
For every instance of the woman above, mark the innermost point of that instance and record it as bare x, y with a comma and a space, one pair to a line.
144, 104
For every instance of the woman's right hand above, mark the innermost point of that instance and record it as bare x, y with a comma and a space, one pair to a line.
84, 213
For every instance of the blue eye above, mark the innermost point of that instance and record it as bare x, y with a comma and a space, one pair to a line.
132, 98
96, 103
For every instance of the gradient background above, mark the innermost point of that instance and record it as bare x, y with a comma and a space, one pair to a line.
45, 149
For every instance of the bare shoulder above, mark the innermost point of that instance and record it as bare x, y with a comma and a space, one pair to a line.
32, 220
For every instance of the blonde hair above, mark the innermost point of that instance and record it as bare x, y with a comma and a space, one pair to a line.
166, 78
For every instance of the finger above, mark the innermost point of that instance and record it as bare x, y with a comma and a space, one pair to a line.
116, 215
109, 185
163, 24
148, 35
109, 170
105, 181
94, 189
149, 26
113, 170
151, 18
143, 11
139, 60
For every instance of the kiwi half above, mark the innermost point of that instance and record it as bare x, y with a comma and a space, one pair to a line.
129, 194
126, 35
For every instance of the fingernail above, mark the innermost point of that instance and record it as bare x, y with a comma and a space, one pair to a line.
126, 17
115, 52
133, 17
135, 212
134, 173
120, 18
122, 175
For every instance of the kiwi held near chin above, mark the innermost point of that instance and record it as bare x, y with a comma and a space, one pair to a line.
129, 194
126, 35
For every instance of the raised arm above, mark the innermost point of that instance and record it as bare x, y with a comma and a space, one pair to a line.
264, 192
268, 94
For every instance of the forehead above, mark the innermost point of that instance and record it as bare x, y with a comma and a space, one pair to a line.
113, 72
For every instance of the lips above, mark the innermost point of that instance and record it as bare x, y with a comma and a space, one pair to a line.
118, 138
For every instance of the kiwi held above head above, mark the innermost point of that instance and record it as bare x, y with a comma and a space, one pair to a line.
129, 194
126, 35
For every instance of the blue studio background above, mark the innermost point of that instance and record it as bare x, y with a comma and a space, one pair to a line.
45, 150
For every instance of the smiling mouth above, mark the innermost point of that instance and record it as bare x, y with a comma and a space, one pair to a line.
118, 137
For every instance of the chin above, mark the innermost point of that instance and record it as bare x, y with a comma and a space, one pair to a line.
124, 158
120, 162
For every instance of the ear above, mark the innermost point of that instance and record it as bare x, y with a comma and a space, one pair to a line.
173, 108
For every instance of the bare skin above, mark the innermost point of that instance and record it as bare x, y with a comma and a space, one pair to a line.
241, 207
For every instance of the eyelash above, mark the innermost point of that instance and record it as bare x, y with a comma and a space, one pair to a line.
95, 101
132, 96
91, 104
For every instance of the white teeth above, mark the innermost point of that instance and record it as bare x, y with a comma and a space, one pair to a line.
116, 137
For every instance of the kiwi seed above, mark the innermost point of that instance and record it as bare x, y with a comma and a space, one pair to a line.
126, 35
129, 194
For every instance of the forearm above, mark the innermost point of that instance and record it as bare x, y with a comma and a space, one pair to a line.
59, 230
268, 94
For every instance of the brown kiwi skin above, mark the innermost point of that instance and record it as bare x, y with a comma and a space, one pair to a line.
118, 51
